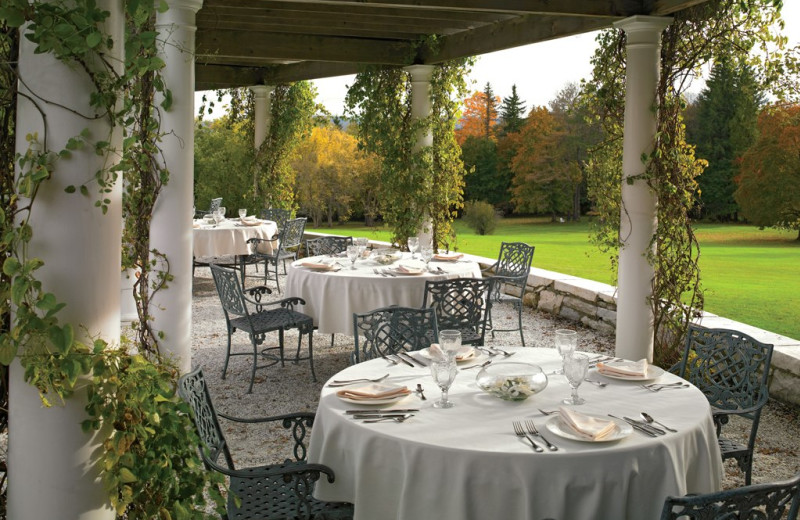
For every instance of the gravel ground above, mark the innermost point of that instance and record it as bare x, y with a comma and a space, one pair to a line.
286, 389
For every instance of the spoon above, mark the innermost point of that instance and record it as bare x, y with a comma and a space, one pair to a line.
599, 384
650, 420
478, 366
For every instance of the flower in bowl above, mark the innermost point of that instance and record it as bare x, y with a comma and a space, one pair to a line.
511, 381
386, 256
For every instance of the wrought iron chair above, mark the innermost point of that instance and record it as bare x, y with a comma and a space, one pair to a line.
266, 317
393, 329
327, 245
511, 272
731, 369
462, 304
214, 206
284, 247
273, 491
278, 215
762, 501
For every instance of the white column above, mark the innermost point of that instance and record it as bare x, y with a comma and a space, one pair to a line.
639, 203
50, 458
262, 96
420, 109
171, 229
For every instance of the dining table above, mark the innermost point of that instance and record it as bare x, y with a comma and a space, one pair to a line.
332, 296
229, 237
466, 462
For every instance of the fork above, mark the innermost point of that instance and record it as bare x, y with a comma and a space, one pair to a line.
660, 388
375, 270
599, 384
489, 352
533, 431
395, 419
504, 352
478, 366
547, 412
521, 433
342, 382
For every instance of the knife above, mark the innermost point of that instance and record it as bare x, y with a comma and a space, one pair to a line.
377, 415
404, 360
406, 355
385, 410
657, 431
636, 426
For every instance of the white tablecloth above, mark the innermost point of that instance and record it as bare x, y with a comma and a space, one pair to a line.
466, 463
332, 297
229, 237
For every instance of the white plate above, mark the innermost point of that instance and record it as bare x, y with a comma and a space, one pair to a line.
374, 387
405, 273
557, 426
653, 372
461, 351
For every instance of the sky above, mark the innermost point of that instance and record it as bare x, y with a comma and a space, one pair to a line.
539, 71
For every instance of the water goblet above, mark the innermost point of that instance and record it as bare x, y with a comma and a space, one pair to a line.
352, 254
566, 342
221, 212
242, 213
444, 373
413, 245
361, 242
450, 340
575, 367
426, 253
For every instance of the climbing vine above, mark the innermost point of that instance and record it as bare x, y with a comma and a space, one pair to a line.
131, 397
414, 184
696, 36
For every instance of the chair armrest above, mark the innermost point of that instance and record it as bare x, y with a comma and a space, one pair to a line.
308, 416
314, 470
299, 423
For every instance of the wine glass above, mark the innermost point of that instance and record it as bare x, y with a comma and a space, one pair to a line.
450, 340
221, 212
426, 253
444, 373
566, 343
413, 245
242, 213
575, 367
361, 242
352, 254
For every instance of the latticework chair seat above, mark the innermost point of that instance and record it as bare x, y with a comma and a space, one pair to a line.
736, 450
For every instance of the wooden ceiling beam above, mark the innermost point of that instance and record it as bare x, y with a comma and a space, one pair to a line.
298, 29
213, 76
220, 45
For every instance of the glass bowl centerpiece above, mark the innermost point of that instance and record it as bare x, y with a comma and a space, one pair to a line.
512, 381
386, 256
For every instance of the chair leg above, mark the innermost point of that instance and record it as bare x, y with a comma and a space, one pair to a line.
277, 282
519, 322
311, 353
255, 364
332, 336
280, 345
227, 354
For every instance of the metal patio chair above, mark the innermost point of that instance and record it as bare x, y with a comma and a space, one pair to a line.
731, 369
390, 330
257, 318
511, 271
214, 206
278, 215
327, 245
284, 247
762, 501
462, 304
273, 491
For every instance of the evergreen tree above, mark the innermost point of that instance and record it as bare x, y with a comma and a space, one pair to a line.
725, 126
512, 113
483, 182
490, 114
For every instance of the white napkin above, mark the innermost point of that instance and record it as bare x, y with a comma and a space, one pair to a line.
373, 391
465, 353
436, 353
410, 268
322, 263
250, 221
447, 257
591, 428
625, 369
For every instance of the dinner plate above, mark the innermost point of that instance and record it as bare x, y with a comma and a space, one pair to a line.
405, 273
447, 258
556, 425
462, 351
653, 372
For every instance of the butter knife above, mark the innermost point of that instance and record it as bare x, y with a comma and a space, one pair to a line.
412, 359
657, 431
379, 411
377, 415
404, 360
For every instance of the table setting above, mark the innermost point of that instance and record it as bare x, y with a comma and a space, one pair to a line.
505, 431
217, 236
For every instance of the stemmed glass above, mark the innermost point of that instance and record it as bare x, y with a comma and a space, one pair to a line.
218, 217
444, 373
426, 253
361, 242
575, 367
352, 254
242, 213
413, 245
450, 340
566, 343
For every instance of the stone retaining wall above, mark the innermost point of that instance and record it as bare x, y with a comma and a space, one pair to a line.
594, 304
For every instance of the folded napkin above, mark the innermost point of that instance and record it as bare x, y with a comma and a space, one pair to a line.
195, 225
436, 353
626, 369
592, 428
373, 391
250, 221
447, 257
319, 264
465, 353
409, 269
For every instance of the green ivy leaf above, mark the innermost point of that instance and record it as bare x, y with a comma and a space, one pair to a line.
8, 349
13, 17
126, 476
11, 266
94, 39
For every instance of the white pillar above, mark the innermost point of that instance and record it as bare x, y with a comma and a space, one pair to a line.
420, 109
171, 228
639, 203
52, 461
262, 96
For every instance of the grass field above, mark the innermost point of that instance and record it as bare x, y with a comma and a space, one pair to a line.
749, 275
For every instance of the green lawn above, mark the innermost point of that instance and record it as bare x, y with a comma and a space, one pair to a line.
749, 275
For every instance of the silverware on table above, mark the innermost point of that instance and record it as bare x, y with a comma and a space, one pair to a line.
343, 382
598, 384
478, 366
547, 412
534, 431
649, 420
521, 434
636, 426
379, 411
395, 418
404, 360
420, 392
412, 359
665, 387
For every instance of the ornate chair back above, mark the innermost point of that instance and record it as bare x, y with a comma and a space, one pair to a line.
392, 329
462, 304
327, 245
277, 215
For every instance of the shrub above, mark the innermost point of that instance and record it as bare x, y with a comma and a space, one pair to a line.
480, 216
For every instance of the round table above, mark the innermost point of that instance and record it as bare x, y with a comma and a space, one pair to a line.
333, 296
230, 237
466, 462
